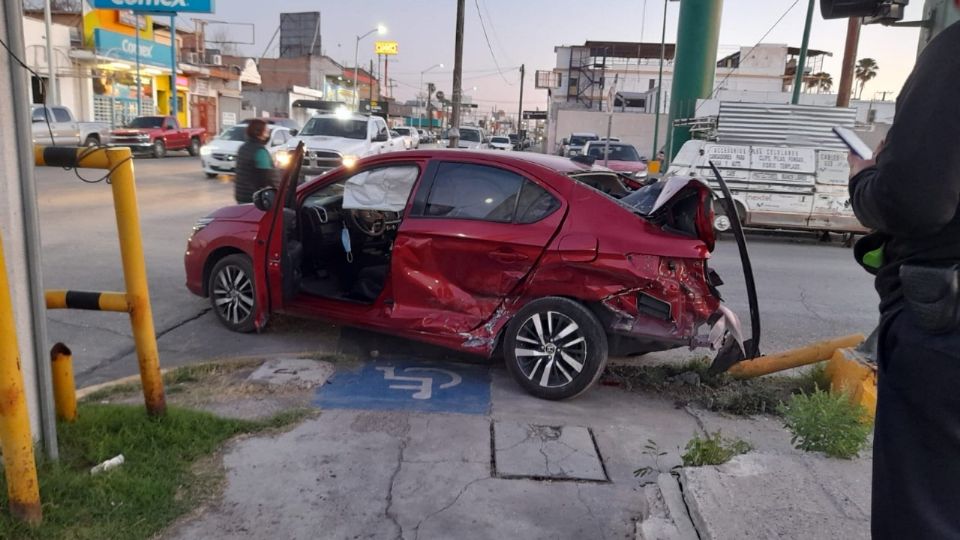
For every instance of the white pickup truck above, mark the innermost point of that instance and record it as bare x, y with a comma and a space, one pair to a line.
334, 139
67, 131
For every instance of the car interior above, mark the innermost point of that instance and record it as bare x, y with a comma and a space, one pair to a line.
347, 230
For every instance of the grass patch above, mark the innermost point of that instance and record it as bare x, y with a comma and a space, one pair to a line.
712, 449
155, 485
721, 392
828, 423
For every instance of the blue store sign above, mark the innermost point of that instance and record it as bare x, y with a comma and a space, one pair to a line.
117, 46
157, 6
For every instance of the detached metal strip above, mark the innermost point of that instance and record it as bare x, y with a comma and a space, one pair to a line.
92, 301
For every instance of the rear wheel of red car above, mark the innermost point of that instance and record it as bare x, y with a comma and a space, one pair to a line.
159, 149
194, 149
555, 348
233, 294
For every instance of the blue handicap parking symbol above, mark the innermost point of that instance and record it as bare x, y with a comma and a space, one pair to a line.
409, 385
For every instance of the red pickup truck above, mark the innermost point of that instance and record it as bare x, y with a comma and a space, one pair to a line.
155, 135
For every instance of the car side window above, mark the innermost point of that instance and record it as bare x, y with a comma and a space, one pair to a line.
535, 203
467, 191
61, 114
38, 114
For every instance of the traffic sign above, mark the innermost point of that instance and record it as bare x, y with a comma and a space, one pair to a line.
386, 47
157, 6
534, 115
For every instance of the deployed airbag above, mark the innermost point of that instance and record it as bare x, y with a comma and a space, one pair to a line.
386, 189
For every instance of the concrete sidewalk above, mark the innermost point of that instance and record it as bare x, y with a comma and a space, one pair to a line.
522, 468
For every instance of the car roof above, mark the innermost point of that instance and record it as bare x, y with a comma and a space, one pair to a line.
583, 134
558, 164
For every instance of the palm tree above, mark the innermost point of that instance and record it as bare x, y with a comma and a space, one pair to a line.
866, 69
823, 81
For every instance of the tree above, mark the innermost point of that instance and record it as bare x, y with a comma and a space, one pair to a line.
431, 88
866, 69
822, 81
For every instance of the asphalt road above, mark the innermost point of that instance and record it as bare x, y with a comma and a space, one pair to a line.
808, 290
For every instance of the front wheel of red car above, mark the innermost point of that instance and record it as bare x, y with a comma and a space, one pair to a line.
233, 294
555, 348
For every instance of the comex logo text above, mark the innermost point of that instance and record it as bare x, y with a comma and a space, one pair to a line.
148, 3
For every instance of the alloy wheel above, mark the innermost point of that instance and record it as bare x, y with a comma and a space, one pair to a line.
551, 349
233, 294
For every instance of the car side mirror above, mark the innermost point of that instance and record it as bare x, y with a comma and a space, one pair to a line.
381, 137
293, 132
264, 198
565, 142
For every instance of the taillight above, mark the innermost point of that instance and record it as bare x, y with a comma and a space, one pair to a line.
705, 216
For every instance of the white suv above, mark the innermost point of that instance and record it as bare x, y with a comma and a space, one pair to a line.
411, 138
473, 138
332, 139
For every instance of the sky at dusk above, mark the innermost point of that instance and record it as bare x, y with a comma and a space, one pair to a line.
525, 32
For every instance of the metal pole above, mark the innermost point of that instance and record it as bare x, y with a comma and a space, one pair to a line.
16, 442
64, 387
849, 62
124, 189
371, 83
54, 93
13, 14
139, 87
457, 77
420, 102
520, 109
802, 61
173, 66
386, 73
663, 49
356, 76
695, 64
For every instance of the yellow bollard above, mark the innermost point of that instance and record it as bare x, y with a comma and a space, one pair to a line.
851, 373
135, 277
653, 166
64, 389
810, 354
16, 442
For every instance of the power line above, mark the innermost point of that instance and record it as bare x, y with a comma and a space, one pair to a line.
489, 47
496, 37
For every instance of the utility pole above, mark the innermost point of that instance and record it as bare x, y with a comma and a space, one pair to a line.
802, 61
371, 84
457, 77
663, 50
53, 97
520, 109
849, 62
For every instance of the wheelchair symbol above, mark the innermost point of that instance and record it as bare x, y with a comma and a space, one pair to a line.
423, 386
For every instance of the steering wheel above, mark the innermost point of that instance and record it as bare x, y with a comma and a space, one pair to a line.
370, 222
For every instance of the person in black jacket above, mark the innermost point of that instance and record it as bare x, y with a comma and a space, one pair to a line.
254, 165
909, 195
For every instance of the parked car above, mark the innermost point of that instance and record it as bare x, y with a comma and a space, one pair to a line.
397, 142
157, 135
622, 158
219, 156
427, 137
477, 252
288, 123
499, 142
574, 145
473, 138
339, 138
67, 131
411, 137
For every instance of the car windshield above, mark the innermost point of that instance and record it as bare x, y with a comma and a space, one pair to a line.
470, 135
335, 127
235, 133
403, 131
146, 122
618, 152
500, 140
580, 140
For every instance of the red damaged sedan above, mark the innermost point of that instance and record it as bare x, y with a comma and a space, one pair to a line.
549, 260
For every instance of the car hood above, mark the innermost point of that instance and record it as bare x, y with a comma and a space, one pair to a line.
334, 144
624, 166
130, 131
224, 146
240, 212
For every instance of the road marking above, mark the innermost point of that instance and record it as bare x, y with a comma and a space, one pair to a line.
425, 389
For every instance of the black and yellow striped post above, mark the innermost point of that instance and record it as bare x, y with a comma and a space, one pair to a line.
136, 299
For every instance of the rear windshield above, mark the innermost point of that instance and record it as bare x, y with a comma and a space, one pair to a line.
471, 135
580, 140
335, 127
500, 140
618, 152
235, 133
403, 131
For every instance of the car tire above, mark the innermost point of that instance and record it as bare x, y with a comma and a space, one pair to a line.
211, 174
159, 149
233, 294
91, 141
194, 148
548, 369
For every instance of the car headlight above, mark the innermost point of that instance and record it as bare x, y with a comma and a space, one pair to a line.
201, 224
349, 161
282, 158
572, 152
205, 151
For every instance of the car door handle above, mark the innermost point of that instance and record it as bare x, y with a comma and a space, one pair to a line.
507, 256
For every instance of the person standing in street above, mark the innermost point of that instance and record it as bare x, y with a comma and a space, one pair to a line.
254, 166
909, 195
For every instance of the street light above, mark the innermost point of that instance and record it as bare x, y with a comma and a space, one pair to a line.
381, 30
419, 89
